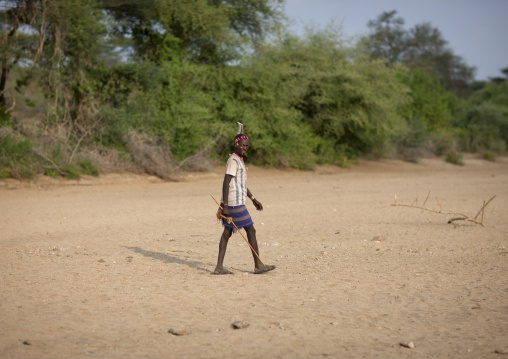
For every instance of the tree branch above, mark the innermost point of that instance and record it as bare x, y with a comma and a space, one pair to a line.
463, 217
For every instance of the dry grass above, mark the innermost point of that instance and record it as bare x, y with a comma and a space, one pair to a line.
152, 155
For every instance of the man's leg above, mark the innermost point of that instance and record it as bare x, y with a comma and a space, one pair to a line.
219, 269
259, 267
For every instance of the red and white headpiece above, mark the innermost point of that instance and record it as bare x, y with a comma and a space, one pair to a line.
240, 135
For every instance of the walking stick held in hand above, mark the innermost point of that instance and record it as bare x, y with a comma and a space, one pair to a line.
253, 251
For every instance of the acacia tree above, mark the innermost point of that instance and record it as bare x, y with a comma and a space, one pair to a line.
388, 39
421, 47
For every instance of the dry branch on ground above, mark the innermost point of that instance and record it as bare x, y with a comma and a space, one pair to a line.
462, 216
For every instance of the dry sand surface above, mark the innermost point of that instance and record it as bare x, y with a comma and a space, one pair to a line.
116, 267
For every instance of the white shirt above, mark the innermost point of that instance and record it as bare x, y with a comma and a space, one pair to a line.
238, 185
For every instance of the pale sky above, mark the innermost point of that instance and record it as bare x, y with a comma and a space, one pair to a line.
476, 30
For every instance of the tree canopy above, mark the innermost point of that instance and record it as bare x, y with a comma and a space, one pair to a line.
421, 47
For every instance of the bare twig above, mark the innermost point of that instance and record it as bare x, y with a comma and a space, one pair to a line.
50, 161
196, 155
463, 217
12, 107
204, 150
81, 139
426, 199
483, 208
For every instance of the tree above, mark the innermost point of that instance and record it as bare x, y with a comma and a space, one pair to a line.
60, 39
20, 40
421, 47
388, 39
201, 31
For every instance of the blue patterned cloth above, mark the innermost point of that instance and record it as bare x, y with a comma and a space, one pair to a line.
241, 218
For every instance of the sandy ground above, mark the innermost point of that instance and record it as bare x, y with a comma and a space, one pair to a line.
106, 268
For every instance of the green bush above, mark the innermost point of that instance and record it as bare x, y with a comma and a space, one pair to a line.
88, 168
72, 171
16, 157
428, 116
489, 156
454, 158
482, 123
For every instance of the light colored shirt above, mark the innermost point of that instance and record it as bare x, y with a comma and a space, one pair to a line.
238, 185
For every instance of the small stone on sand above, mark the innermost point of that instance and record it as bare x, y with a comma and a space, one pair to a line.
379, 238
178, 332
239, 324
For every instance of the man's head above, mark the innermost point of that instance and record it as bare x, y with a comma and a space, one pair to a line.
241, 141
241, 145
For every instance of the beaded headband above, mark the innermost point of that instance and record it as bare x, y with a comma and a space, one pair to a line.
240, 135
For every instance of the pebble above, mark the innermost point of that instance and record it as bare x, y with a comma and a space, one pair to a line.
379, 238
239, 324
503, 351
407, 345
178, 332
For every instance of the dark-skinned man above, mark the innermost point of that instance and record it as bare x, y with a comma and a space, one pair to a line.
234, 195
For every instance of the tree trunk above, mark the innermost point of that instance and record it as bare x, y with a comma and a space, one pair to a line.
3, 81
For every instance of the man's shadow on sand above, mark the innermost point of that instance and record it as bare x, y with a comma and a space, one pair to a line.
167, 258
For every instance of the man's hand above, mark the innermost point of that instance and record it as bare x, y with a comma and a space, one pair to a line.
257, 204
225, 210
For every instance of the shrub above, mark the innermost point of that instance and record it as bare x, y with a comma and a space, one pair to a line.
454, 158
16, 157
488, 155
88, 168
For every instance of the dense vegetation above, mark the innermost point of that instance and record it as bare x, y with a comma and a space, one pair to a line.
90, 86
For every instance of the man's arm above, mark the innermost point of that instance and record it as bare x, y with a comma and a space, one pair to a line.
256, 203
225, 194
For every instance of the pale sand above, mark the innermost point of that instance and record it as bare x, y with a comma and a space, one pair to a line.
104, 268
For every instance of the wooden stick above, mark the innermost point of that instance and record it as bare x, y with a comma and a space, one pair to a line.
464, 217
253, 251
483, 208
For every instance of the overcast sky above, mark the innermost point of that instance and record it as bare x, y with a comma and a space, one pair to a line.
476, 30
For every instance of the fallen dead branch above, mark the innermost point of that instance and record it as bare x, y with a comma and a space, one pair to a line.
461, 216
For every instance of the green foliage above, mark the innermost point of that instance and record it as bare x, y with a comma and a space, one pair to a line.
343, 108
186, 72
428, 116
482, 124
488, 155
200, 31
86, 167
455, 158
15, 157
72, 171
421, 47
5, 118
430, 102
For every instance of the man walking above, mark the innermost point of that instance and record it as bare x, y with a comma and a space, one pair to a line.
234, 195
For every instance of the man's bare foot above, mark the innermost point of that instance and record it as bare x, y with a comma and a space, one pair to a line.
263, 269
221, 271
